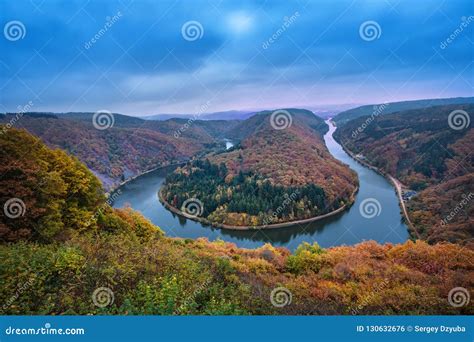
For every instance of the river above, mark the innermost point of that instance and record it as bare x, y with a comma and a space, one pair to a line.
384, 224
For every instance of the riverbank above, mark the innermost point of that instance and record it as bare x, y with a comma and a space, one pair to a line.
128, 180
142, 195
116, 187
395, 182
398, 186
261, 227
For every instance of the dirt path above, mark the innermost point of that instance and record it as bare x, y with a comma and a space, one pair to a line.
396, 183
398, 186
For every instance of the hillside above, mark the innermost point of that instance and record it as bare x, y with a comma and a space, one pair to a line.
420, 148
46, 193
392, 107
226, 115
267, 169
71, 253
130, 147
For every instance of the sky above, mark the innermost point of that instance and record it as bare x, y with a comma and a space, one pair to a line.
148, 57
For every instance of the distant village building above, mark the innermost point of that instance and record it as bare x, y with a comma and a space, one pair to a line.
408, 194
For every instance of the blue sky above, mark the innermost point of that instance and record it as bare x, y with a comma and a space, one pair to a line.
143, 64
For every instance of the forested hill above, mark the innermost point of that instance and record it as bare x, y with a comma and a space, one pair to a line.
430, 151
129, 147
392, 107
280, 154
301, 117
65, 251
287, 151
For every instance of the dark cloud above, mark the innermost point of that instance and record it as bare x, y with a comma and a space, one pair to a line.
252, 54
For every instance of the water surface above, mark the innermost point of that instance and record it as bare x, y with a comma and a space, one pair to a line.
348, 227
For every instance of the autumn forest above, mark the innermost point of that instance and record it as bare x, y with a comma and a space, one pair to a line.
68, 240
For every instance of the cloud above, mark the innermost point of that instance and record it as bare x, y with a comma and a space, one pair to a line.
142, 64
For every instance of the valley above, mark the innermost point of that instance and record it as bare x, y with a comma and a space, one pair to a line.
347, 227
270, 170
69, 218
270, 177
423, 150
69, 240
129, 147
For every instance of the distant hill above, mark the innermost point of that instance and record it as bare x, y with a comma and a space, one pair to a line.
229, 115
392, 107
130, 147
119, 119
226, 115
420, 148
330, 110
198, 129
277, 157
250, 126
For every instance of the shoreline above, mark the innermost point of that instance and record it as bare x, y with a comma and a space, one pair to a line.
128, 180
115, 188
396, 184
261, 227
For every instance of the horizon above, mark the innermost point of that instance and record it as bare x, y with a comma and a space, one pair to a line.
250, 111
144, 58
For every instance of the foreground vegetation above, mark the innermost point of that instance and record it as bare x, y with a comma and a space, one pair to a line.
57, 268
164, 276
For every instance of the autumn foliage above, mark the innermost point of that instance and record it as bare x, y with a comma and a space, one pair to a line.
128, 148
52, 263
423, 150
58, 193
248, 184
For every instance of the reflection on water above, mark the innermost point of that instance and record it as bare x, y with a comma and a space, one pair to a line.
348, 227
